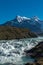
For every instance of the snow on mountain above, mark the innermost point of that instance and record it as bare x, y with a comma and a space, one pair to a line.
32, 23
20, 19
35, 18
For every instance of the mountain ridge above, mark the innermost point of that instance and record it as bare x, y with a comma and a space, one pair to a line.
9, 32
24, 22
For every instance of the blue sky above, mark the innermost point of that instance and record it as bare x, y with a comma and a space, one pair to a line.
10, 8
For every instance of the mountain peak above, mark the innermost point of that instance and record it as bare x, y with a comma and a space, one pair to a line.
32, 23
23, 18
20, 18
35, 18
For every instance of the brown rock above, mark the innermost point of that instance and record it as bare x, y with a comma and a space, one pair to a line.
9, 32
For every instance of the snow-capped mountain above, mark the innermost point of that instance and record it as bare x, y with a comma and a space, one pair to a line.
20, 19
24, 22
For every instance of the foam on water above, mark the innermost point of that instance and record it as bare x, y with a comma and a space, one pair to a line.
12, 51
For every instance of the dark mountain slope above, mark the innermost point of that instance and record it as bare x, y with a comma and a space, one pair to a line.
9, 32
37, 53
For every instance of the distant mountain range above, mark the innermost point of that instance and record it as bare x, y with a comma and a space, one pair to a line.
21, 27
33, 24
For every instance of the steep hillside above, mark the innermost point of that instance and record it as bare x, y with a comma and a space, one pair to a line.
9, 32
37, 53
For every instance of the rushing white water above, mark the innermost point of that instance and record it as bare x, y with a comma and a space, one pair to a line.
12, 51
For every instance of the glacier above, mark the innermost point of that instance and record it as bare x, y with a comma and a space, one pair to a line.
12, 51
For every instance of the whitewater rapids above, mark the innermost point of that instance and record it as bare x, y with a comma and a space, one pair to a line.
12, 51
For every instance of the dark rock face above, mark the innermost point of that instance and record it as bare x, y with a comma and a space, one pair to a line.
28, 64
33, 64
9, 32
37, 51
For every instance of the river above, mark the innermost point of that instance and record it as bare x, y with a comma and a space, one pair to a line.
12, 51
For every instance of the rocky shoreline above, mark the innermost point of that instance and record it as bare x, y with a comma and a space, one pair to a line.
36, 53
